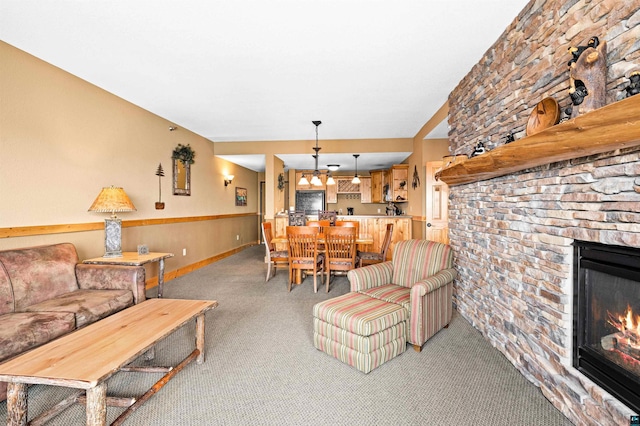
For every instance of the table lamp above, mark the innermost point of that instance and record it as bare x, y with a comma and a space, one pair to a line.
112, 200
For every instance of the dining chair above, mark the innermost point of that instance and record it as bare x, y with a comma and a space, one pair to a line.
340, 250
303, 253
330, 215
273, 257
297, 218
371, 257
349, 223
319, 223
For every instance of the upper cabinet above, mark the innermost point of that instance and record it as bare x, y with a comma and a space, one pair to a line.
365, 189
346, 187
399, 183
332, 194
377, 186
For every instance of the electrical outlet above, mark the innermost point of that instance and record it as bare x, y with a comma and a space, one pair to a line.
378, 210
237, 237
184, 251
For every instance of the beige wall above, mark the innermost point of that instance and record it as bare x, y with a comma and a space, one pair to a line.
62, 139
424, 151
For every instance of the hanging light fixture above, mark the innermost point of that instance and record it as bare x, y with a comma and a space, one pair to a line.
330, 180
356, 179
315, 178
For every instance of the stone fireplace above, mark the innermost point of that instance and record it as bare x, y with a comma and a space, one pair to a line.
513, 236
606, 306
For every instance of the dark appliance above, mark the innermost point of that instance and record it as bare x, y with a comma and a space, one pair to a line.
310, 201
606, 330
350, 211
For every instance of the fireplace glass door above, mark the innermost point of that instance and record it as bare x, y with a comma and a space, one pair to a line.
607, 322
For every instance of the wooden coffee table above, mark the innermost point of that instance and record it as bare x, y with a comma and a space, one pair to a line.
86, 358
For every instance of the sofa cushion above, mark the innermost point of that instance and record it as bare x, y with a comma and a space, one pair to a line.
25, 330
391, 293
40, 273
87, 305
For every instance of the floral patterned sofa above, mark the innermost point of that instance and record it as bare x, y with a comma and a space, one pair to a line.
45, 292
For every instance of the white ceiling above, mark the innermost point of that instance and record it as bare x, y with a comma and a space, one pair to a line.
260, 70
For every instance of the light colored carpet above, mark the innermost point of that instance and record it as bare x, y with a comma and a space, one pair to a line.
262, 368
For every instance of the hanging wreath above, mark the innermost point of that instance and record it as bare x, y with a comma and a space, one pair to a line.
184, 153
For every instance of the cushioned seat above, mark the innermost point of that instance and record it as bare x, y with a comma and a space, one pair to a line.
25, 330
87, 305
359, 330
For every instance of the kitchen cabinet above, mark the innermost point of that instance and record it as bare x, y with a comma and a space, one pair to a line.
365, 189
332, 194
344, 185
377, 186
399, 183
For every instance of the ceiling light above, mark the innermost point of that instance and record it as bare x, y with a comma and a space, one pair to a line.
333, 167
356, 179
315, 180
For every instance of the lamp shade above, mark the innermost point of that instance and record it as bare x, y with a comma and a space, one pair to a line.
112, 199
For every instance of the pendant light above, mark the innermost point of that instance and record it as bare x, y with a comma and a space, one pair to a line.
356, 179
315, 178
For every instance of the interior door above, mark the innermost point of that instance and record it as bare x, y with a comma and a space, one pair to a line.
437, 198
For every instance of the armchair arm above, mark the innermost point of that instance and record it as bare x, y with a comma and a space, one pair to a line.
431, 306
112, 277
370, 276
433, 282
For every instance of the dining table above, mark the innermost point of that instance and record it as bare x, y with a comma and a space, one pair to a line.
361, 240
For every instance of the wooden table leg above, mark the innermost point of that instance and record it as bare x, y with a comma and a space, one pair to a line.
97, 405
16, 404
160, 277
200, 338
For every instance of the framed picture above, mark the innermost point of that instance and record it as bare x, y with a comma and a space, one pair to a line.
241, 196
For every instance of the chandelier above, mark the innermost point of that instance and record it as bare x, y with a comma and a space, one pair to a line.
315, 178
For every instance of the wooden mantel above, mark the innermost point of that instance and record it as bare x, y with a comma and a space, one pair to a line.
611, 127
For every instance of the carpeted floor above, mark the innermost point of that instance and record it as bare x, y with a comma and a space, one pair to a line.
262, 368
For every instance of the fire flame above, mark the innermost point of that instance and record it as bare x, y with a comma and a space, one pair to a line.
628, 325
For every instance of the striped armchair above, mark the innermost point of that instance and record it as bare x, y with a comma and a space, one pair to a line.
420, 278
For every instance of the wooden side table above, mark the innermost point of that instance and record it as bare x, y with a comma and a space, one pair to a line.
132, 258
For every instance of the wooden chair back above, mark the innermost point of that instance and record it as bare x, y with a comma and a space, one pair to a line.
297, 218
387, 241
349, 223
330, 215
272, 257
267, 236
303, 251
319, 223
340, 250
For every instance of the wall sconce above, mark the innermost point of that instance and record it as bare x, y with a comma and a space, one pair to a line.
228, 179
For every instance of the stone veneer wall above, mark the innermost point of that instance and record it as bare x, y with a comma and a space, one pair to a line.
512, 235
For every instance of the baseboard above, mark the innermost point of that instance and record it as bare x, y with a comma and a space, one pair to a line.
169, 275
